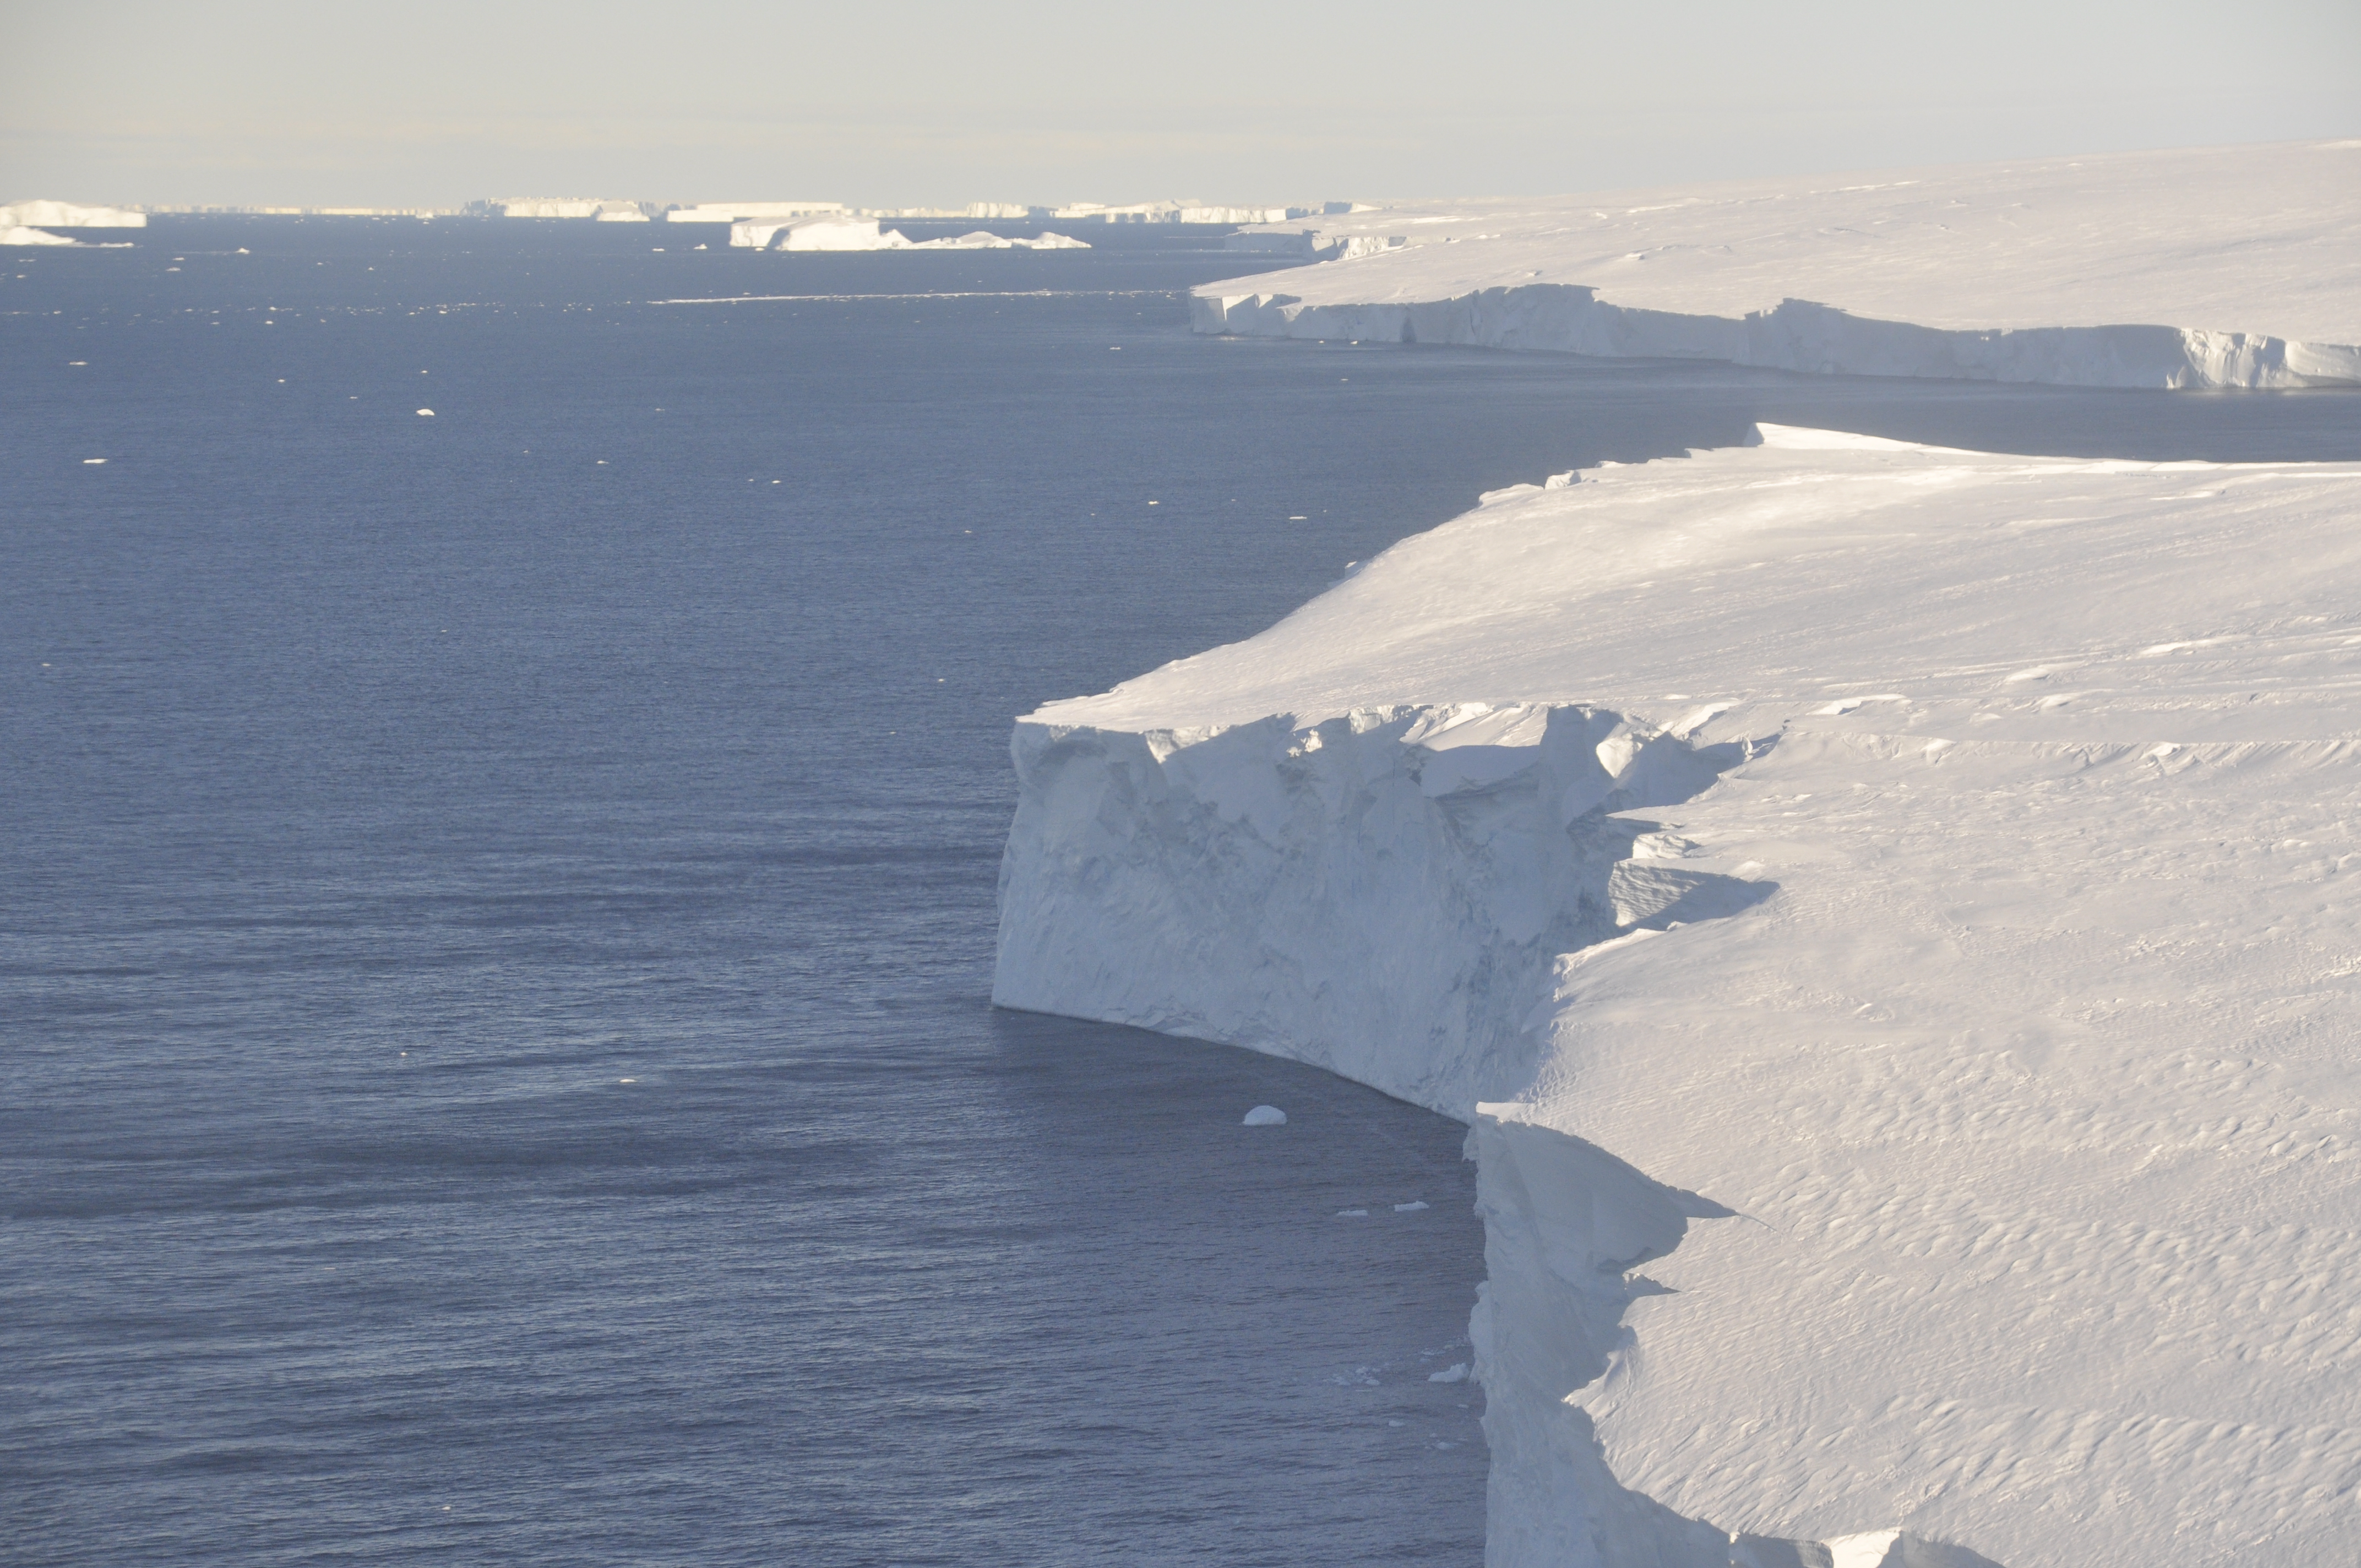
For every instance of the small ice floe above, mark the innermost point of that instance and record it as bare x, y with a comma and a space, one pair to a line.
1455, 1373
627, 1080
1264, 1116
92, 461
426, 413
1352, 1213
1412, 1207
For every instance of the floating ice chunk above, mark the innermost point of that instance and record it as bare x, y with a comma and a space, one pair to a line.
1265, 1116
92, 461
1352, 1213
17, 234
426, 413
1455, 1373
983, 239
1412, 1207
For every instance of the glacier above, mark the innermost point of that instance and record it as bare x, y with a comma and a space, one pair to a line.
2236, 267
1890, 918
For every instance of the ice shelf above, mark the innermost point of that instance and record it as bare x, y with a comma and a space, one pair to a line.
67, 215
2236, 267
1891, 918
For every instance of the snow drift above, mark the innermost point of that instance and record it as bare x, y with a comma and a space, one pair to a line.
1889, 917
2225, 268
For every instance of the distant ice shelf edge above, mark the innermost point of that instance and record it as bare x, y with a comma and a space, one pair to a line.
1797, 336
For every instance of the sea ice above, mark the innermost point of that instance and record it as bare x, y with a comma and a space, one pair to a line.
1265, 1116
2214, 267
1933, 1117
1455, 1373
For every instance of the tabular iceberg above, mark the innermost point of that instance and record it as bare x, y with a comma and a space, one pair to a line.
2234, 267
868, 234
1891, 917
67, 215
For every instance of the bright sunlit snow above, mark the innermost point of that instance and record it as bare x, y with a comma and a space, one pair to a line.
1893, 916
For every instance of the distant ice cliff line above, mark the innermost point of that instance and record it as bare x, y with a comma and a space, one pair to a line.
2237, 266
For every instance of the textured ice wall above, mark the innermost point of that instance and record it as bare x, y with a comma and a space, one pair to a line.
1382, 893
2221, 266
1795, 336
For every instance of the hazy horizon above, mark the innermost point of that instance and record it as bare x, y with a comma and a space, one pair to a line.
927, 105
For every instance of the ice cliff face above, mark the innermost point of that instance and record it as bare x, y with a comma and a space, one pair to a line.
1888, 916
2221, 268
1383, 893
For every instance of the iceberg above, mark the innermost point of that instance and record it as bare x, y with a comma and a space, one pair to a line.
19, 235
66, 215
815, 233
981, 239
868, 234
1888, 916
2237, 266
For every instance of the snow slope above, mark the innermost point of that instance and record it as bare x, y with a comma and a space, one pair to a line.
2221, 266
1892, 918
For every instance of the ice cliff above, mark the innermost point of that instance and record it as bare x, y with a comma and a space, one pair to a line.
2234, 267
1891, 918
66, 215
868, 234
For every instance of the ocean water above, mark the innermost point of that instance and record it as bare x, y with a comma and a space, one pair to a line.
495, 1057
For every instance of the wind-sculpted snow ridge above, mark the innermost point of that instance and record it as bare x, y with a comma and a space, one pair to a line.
1892, 919
2236, 267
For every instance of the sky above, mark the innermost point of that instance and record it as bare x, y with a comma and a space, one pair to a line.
906, 103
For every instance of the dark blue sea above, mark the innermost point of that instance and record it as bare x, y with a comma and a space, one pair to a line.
496, 908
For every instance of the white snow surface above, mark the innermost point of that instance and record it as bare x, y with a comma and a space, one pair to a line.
19, 235
1892, 918
2214, 267
867, 234
67, 215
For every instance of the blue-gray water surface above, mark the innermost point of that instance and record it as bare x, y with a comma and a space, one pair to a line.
495, 1057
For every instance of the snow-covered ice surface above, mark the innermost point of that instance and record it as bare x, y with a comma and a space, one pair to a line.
67, 215
1892, 918
868, 234
2220, 267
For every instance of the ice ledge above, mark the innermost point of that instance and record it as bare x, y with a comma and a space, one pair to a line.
1796, 334
2220, 267
1999, 999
